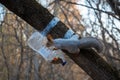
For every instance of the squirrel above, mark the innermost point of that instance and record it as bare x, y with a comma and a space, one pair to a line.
74, 45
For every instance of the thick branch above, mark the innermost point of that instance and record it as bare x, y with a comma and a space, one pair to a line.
38, 17
114, 7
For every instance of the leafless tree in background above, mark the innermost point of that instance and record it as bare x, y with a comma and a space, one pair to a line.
24, 64
20, 62
102, 21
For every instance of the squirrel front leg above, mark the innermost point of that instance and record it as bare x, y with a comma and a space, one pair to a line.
50, 41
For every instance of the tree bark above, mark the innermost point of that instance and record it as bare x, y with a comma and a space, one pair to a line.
114, 7
38, 17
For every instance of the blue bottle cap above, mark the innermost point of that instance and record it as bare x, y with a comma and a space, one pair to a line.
64, 63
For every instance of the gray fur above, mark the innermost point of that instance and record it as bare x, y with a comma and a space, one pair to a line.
74, 46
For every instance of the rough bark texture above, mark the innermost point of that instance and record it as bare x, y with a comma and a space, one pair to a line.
38, 17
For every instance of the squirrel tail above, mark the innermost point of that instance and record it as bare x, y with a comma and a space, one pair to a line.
90, 42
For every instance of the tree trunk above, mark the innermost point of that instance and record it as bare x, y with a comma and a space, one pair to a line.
38, 17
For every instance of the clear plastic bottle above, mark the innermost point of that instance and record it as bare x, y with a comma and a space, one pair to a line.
38, 42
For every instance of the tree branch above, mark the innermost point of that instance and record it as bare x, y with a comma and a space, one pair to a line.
38, 17
114, 7
90, 7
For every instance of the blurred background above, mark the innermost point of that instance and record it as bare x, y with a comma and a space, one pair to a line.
96, 18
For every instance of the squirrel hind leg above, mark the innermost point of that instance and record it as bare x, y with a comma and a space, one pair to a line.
74, 51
